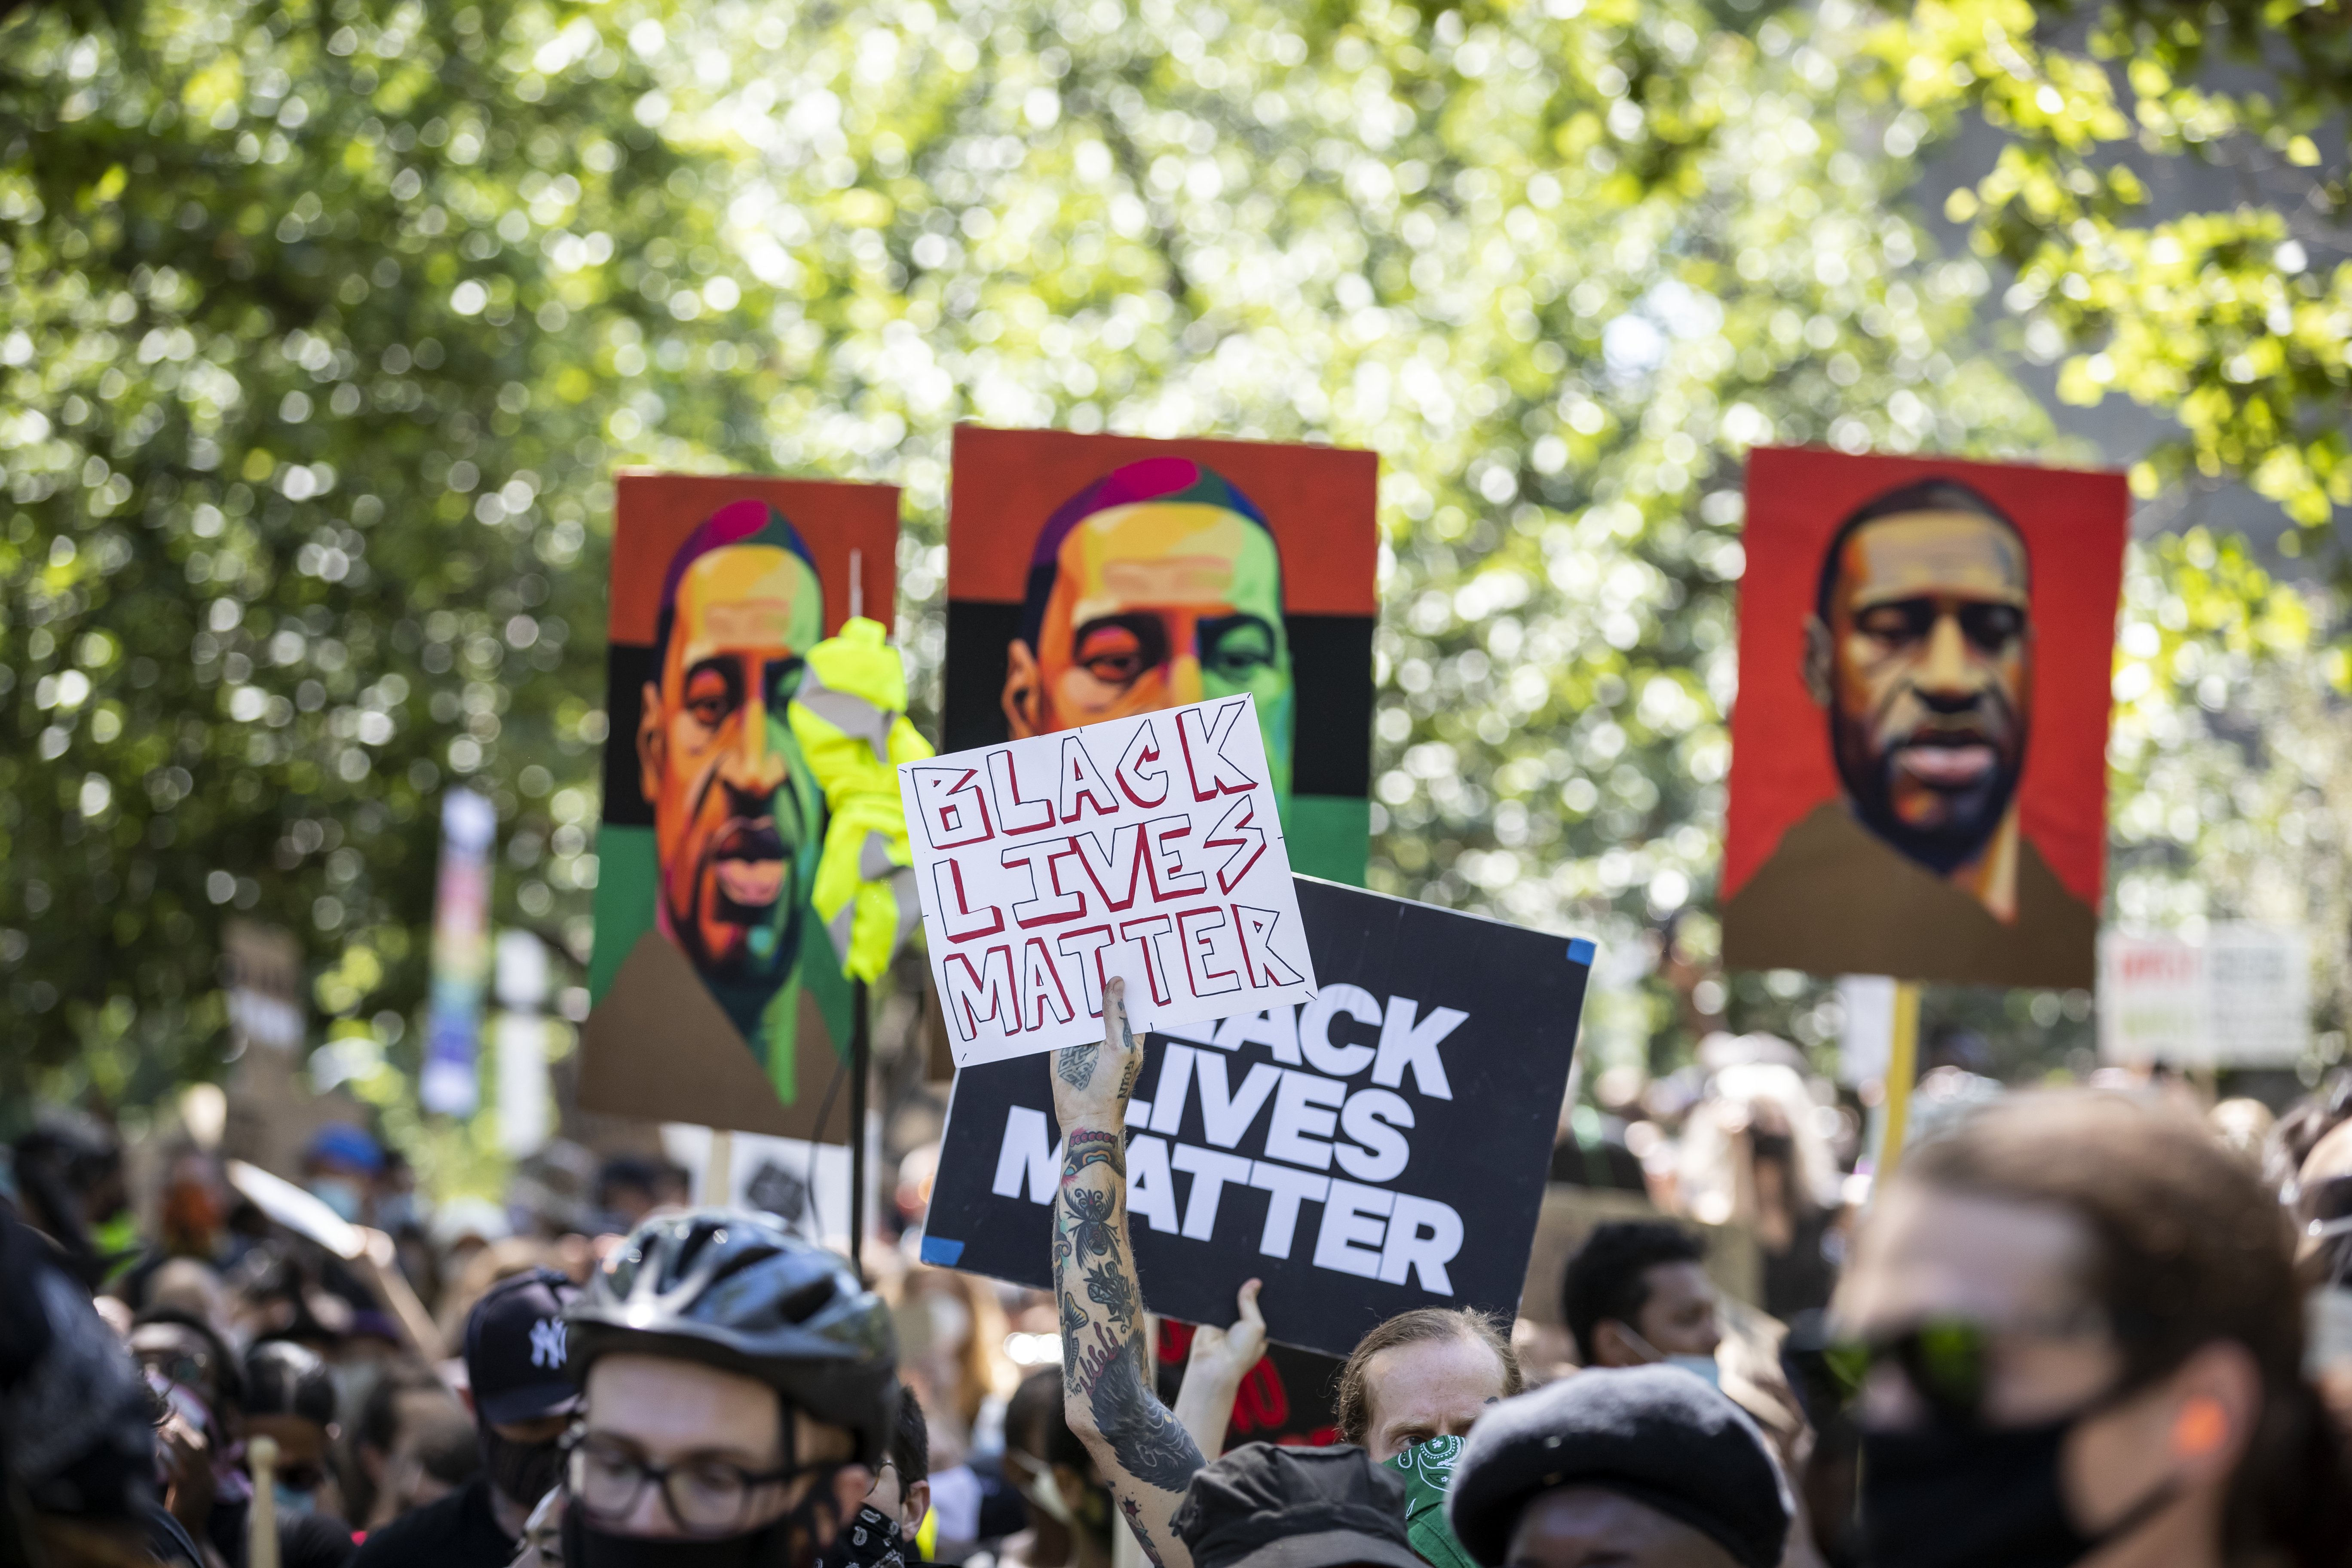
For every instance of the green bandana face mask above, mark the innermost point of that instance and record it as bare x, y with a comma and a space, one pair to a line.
1428, 1470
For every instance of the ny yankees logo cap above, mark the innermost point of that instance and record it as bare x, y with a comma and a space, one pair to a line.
517, 1356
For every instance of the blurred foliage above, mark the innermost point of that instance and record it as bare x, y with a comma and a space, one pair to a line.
2232, 320
324, 326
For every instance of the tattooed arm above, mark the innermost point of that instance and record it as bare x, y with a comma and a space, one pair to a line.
1107, 1376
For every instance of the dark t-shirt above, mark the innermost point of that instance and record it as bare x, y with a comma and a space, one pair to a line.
458, 1531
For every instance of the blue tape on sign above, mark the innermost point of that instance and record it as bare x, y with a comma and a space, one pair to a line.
1580, 952
938, 1250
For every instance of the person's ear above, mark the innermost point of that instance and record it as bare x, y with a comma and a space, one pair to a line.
2216, 1398
916, 1508
1817, 660
653, 751
1024, 691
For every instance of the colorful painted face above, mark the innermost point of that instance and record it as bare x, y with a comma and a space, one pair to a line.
734, 808
1156, 605
1930, 676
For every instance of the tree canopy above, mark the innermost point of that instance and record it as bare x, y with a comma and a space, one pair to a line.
326, 324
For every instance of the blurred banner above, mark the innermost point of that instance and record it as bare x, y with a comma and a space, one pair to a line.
1918, 766
715, 997
461, 953
266, 1111
521, 1035
1867, 1042
2239, 998
1094, 577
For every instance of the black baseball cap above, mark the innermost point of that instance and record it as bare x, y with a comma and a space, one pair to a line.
518, 1357
1262, 1506
1654, 1434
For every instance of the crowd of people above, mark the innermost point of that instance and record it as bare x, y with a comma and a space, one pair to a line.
2071, 1325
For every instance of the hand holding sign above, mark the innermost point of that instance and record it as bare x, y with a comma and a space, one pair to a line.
1149, 848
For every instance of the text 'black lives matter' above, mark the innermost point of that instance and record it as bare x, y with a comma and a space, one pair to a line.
1380, 1147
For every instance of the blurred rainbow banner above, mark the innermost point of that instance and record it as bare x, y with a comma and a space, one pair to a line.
461, 954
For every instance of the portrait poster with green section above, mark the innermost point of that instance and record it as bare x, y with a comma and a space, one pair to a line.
715, 996
1094, 577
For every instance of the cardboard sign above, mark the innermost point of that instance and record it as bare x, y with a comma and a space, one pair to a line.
1383, 1146
1919, 774
716, 997
1146, 849
1093, 578
2239, 998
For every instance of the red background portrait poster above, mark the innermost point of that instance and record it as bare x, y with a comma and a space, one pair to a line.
1918, 775
716, 997
1090, 577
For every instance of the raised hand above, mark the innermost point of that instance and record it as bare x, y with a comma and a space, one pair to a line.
1091, 1083
1221, 1358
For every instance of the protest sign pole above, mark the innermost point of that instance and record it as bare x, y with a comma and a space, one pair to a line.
861, 1066
1902, 1066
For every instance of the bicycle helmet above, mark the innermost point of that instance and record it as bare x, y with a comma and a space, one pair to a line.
734, 1291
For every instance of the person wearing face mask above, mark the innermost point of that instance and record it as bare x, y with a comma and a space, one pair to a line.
2074, 1335
340, 1166
517, 1369
290, 1397
739, 1394
1637, 1292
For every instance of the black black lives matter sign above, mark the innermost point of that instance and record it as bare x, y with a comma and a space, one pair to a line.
1380, 1147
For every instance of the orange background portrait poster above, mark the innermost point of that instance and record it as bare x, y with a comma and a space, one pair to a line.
715, 995
1919, 774
1090, 577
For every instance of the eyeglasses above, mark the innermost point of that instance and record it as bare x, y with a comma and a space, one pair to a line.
704, 1495
1948, 1362
190, 1369
2323, 1208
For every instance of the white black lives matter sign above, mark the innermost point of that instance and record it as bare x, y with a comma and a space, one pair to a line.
1147, 848
1382, 1146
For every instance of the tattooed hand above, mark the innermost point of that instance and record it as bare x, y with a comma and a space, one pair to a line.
1091, 1083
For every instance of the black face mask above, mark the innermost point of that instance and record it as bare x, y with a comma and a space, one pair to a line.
1952, 1494
523, 1472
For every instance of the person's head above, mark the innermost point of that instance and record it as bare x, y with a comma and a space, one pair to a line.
1262, 1506
1921, 650
1157, 585
2086, 1303
290, 1396
625, 1188
736, 814
69, 1183
902, 1489
1637, 1291
1638, 1467
390, 1471
340, 1166
740, 1382
175, 1344
1425, 1373
519, 1375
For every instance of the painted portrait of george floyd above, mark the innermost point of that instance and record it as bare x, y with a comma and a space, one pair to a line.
714, 996
1918, 772
1092, 577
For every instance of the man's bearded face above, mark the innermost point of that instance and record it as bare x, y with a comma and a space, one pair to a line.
1931, 679
731, 806
1160, 603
